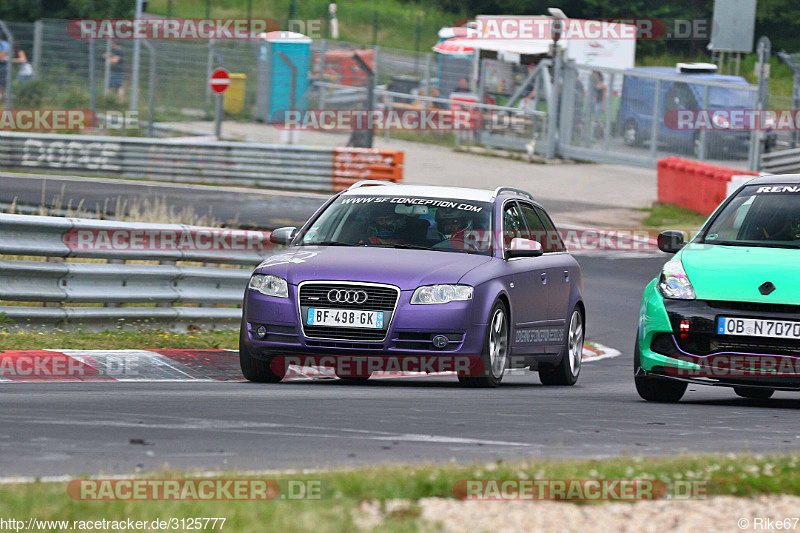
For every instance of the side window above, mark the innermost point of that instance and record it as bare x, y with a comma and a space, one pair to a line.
541, 229
513, 224
554, 242
535, 227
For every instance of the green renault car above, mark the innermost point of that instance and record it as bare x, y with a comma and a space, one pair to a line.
725, 309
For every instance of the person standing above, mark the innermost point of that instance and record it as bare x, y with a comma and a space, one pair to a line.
25, 69
117, 59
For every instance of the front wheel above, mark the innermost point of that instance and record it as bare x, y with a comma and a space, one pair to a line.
654, 389
569, 368
495, 350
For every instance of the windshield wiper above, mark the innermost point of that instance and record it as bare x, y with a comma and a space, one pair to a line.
409, 246
328, 243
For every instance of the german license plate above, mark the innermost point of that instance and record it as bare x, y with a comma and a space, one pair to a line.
346, 318
758, 327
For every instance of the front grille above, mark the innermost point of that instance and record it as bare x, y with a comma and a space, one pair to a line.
701, 344
378, 298
756, 307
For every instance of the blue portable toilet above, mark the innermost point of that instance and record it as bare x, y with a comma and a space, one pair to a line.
274, 76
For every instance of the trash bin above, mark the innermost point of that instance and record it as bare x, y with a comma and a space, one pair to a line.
233, 98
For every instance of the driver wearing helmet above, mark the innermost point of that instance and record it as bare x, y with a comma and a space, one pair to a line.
384, 225
451, 222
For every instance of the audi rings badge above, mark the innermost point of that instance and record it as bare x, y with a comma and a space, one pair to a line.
347, 296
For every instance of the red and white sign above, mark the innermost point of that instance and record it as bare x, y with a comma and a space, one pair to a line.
220, 80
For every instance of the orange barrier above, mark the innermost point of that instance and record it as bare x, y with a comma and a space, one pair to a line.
351, 165
693, 185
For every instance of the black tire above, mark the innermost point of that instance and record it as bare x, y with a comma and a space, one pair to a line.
654, 389
492, 376
753, 393
569, 367
257, 370
631, 135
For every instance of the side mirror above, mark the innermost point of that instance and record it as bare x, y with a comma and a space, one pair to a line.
283, 235
520, 247
671, 241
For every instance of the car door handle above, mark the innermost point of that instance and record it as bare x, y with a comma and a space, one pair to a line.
566, 276
544, 278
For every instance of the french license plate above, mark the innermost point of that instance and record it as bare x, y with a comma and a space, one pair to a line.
758, 327
344, 318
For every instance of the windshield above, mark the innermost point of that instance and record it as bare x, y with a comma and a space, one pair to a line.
760, 215
724, 97
445, 224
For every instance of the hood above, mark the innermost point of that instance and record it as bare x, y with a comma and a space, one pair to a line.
408, 269
734, 273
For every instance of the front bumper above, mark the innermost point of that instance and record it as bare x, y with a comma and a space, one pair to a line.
410, 331
678, 340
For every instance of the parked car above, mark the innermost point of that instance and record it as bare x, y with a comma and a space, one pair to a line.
392, 270
725, 309
682, 89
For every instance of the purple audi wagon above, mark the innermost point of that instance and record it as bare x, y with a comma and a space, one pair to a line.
426, 272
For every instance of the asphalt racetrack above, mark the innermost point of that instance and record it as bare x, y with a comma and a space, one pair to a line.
117, 427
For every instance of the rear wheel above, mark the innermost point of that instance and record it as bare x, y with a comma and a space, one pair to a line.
654, 389
257, 370
495, 350
569, 368
753, 393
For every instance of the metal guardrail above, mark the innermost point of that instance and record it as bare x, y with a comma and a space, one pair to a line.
167, 284
781, 162
198, 161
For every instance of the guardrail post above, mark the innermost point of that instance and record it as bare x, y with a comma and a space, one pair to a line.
114, 262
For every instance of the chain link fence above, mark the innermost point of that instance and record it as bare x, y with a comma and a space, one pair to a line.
604, 114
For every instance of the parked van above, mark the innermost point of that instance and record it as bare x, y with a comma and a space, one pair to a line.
635, 116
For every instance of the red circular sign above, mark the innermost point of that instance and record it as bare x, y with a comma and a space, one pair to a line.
220, 80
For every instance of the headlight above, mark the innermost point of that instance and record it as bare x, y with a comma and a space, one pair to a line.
674, 283
441, 294
269, 285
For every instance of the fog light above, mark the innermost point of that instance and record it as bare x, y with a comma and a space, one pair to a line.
440, 341
261, 332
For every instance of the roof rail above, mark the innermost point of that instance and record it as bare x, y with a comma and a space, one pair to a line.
498, 191
364, 183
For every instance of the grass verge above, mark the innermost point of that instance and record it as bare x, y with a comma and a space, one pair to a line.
667, 216
342, 491
118, 340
